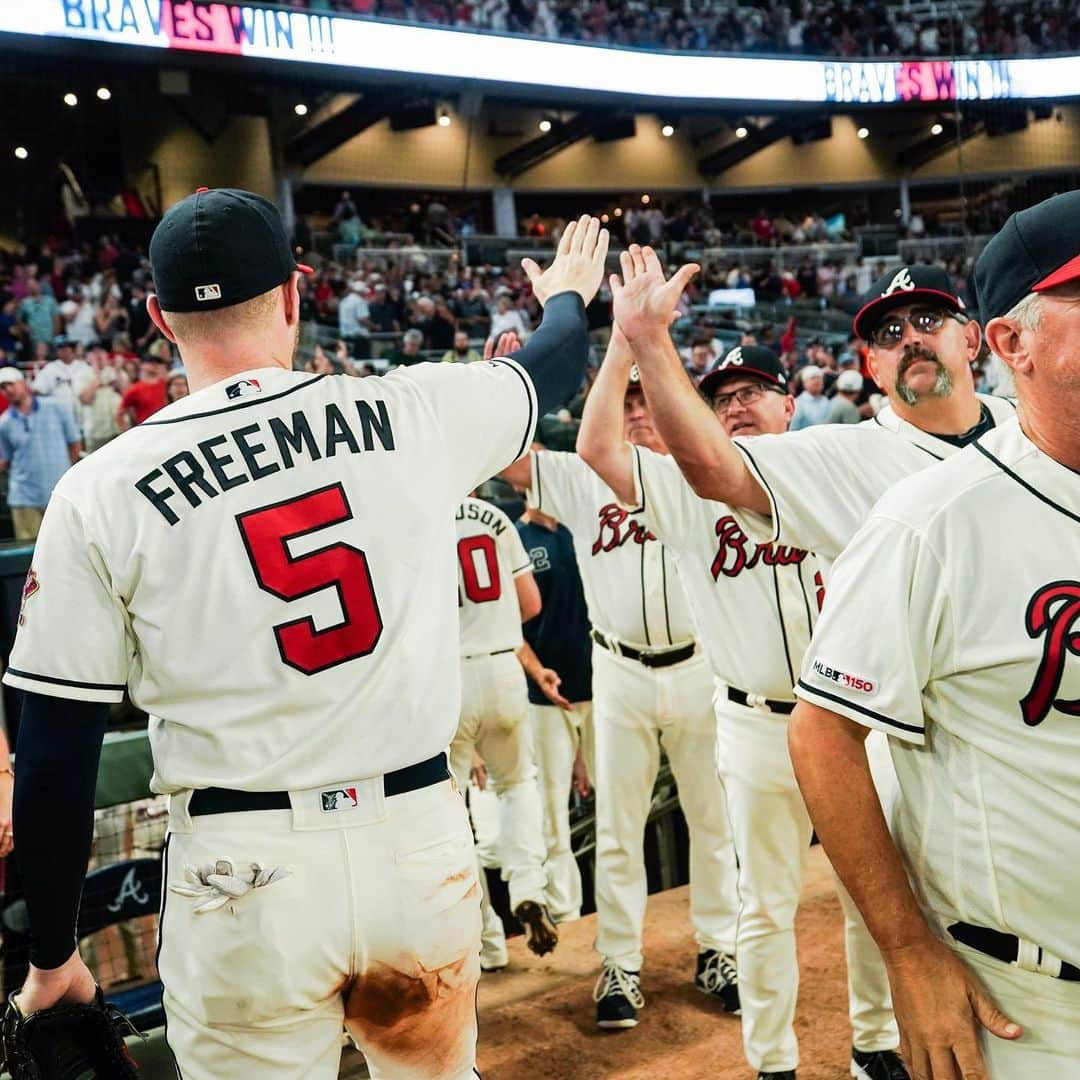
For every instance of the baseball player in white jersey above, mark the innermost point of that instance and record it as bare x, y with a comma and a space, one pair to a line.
965, 657
755, 606
651, 687
813, 488
496, 592
257, 567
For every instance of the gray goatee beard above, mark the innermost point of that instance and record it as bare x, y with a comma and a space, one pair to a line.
943, 384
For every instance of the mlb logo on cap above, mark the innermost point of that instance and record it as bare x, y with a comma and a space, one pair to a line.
204, 293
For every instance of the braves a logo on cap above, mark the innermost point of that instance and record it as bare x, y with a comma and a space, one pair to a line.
733, 358
243, 388
901, 282
1054, 611
31, 587
203, 293
338, 799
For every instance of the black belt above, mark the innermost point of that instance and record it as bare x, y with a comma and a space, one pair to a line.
661, 658
477, 655
741, 697
227, 801
1001, 946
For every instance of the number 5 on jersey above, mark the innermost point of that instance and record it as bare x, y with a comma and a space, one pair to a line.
266, 533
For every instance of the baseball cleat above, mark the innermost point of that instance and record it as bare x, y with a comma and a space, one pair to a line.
718, 977
877, 1065
540, 933
786, 1074
618, 997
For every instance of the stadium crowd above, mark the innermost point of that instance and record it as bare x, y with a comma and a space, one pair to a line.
805, 27
80, 360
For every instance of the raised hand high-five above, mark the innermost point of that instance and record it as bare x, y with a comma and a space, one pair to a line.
578, 265
644, 300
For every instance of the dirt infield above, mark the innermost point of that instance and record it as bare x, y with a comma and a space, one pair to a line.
537, 1016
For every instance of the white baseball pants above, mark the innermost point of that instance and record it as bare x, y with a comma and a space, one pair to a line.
494, 720
556, 735
375, 924
772, 833
1047, 1009
635, 709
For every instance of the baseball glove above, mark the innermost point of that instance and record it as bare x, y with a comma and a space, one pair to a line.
67, 1042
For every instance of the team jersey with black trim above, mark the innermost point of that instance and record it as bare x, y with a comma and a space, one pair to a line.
822, 481
631, 583
754, 604
952, 624
490, 556
268, 566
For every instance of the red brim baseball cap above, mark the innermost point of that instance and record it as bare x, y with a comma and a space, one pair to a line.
219, 247
905, 285
1036, 249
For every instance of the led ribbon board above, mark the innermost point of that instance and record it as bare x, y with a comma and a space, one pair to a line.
312, 37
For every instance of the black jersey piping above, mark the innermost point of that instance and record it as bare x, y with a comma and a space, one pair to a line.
663, 578
783, 628
861, 708
531, 423
644, 607
936, 457
1024, 484
66, 682
239, 405
760, 477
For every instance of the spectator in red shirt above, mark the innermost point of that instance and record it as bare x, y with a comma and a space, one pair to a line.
145, 397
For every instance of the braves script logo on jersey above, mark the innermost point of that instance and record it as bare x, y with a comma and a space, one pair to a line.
733, 553
1054, 611
843, 678
29, 589
616, 528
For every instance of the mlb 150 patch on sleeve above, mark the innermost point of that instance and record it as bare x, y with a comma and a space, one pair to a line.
846, 679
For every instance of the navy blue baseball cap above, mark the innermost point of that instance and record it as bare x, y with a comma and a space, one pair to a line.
1035, 250
900, 286
755, 360
219, 247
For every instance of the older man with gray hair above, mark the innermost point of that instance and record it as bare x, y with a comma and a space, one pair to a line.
967, 660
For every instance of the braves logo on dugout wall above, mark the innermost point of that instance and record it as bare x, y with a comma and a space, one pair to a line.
1054, 611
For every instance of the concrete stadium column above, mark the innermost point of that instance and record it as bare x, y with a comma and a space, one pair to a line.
504, 211
905, 200
284, 184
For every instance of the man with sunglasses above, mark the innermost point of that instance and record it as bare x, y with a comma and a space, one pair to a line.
755, 605
813, 488
967, 659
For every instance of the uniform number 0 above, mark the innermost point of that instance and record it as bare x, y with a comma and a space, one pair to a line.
469, 547
266, 533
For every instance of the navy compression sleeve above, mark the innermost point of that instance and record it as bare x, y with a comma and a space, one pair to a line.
556, 354
56, 764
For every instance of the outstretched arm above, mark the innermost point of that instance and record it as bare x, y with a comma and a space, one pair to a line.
600, 440
644, 302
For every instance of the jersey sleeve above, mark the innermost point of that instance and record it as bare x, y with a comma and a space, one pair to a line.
556, 487
821, 483
885, 628
513, 551
662, 495
73, 638
486, 412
